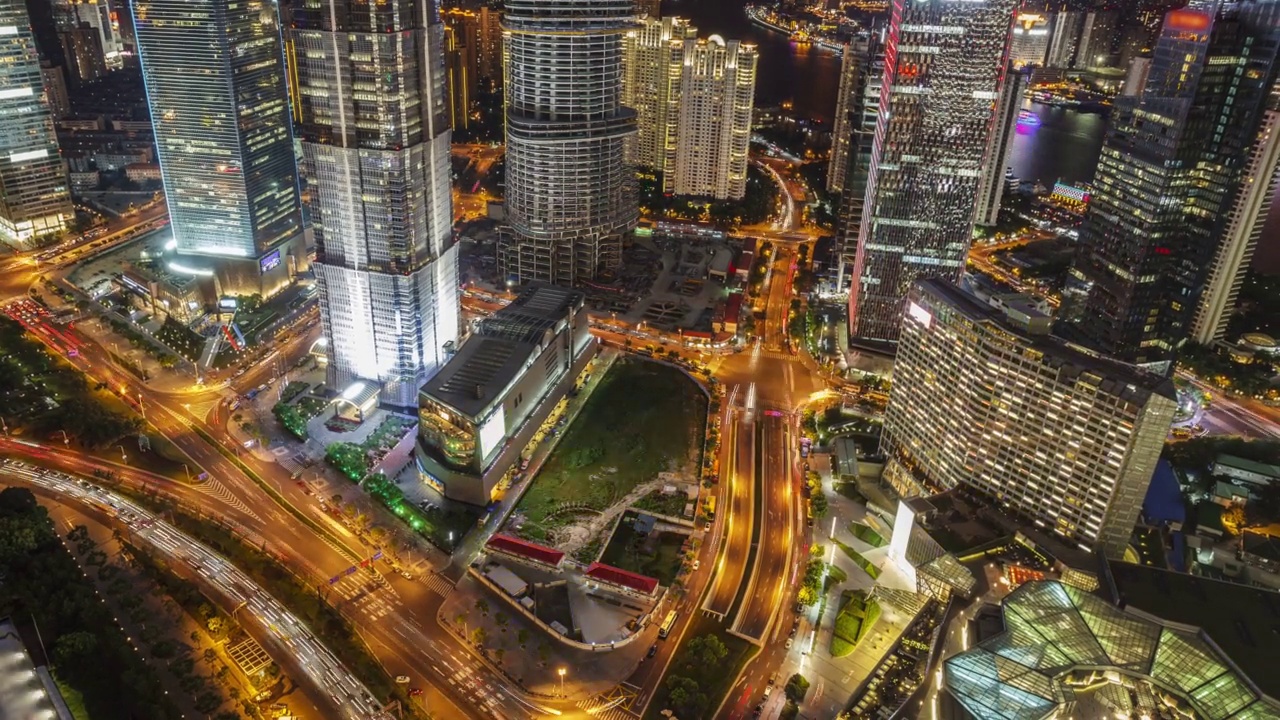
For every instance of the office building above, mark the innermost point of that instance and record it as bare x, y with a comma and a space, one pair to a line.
652, 62
713, 133
861, 131
1173, 162
82, 48
479, 412
986, 398
102, 16
55, 90
478, 33
945, 65
849, 105
215, 79
1064, 38
991, 188
376, 155
35, 197
1030, 44
459, 63
1098, 40
570, 194
1066, 653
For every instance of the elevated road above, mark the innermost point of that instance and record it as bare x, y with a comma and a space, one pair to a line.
770, 578
738, 499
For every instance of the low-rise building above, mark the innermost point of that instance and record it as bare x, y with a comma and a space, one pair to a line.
478, 413
523, 551
622, 582
1244, 470
142, 172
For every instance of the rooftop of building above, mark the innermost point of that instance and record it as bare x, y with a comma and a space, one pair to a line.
1115, 377
477, 374
624, 578
535, 310
515, 546
1244, 621
1239, 463
25, 690
1264, 546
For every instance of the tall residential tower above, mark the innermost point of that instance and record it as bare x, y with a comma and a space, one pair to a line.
944, 65
375, 141
570, 194
35, 198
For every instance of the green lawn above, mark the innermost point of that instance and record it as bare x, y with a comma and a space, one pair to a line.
867, 534
643, 419
858, 559
858, 614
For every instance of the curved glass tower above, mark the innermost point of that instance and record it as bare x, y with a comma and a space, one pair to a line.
375, 141
570, 194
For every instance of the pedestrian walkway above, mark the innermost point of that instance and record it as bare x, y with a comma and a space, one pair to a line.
215, 489
613, 704
438, 584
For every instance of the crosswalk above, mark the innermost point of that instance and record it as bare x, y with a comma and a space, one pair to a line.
361, 593
215, 489
438, 584
476, 688
201, 410
613, 704
776, 354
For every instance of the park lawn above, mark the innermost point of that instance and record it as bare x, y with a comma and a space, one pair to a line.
643, 419
714, 682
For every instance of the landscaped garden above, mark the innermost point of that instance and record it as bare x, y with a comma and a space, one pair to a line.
704, 666
859, 560
356, 459
645, 418
858, 613
295, 416
867, 534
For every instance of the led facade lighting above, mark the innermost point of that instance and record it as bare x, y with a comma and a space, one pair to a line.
570, 194
215, 79
375, 142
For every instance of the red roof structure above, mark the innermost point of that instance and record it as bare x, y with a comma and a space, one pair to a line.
523, 548
624, 578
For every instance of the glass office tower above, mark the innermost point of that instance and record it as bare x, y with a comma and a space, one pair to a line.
35, 198
570, 194
215, 78
375, 141
944, 65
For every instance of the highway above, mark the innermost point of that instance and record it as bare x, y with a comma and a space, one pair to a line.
737, 511
324, 675
771, 576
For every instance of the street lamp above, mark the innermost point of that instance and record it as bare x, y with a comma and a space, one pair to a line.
123, 456
562, 672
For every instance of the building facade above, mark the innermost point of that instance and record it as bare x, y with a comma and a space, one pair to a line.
1064, 38
1098, 40
570, 194
375, 142
945, 64
858, 134
986, 398
222, 134
35, 196
652, 68
1000, 144
713, 135
1031, 36
1172, 164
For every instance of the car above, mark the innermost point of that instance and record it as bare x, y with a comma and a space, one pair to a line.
707, 526
415, 692
773, 679
789, 642
697, 564
402, 679
653, 650
405, 575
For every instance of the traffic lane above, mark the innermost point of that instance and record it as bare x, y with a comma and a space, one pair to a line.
736, 533
775, 532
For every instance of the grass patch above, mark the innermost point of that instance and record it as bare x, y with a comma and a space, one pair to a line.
867, 534
710, 680
73, 699
859, 560
858, 613
643, 419
658, 557
181, 339
655, 502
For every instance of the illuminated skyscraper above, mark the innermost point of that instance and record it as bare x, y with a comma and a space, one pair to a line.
652, 62
857, 134
1000, 145
35, 197
215, 79
986, 398
570, 194
944, 64
1030, 44
375, 141
1172, 165
854, 69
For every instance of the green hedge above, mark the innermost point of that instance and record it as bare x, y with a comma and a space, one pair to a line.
867, 534
858, 614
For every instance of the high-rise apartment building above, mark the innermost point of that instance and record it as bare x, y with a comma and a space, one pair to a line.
1172, 165
375, 142
459, 63
1030, 45
477, 33
1000, 145
713, 136
652, 62
570, 194
945, 62
55, 90
35, 196
215, 79
986, 398
82, 48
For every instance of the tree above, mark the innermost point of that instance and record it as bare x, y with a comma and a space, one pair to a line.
686, 696
818, 503
73, 649
707, 651
796, 688
478, 636
1234, 519
483, 606
208, 702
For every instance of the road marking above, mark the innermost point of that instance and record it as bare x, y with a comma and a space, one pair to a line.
214, 488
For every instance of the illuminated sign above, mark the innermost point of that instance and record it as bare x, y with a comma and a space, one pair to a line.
228, 303
1187, 20
492, 432
920, 314
270, 262
1070, 192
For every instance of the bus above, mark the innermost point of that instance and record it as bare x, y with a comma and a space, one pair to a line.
667, 624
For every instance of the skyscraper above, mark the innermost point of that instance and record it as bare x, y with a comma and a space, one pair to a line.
652, 66
1000, 144
570, 194
1172, 164
82, 47
860, 129
853, 71
35, 197
944, 64
1030, 44
375, 141
215, 79
1064, 39
717, 91
1098, 40
459, 63
985, 397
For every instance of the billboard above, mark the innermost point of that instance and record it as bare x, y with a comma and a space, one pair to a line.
270, 262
